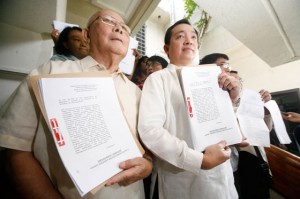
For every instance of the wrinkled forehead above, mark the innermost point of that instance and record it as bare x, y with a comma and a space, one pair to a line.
113, 14
106, 12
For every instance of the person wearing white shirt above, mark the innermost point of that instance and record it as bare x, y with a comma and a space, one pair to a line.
164, 128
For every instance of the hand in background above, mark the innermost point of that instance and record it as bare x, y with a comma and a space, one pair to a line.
291, 116
55, 35
136, 54
265, 95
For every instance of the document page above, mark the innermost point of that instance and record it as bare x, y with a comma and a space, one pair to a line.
60, 26
127, 63
88, 127
279, 125
251, 119
209, 107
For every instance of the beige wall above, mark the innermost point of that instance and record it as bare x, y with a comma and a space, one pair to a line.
254, 71
20, 51
257, 74
155, 39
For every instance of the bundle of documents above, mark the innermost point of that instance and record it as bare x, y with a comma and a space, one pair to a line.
212, 116
88, 127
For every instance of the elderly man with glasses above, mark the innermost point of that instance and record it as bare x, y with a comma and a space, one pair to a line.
35, 166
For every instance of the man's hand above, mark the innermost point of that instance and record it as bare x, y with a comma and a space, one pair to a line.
55, 35
265, 95
136, 54
215, 155
133, 170
291, 116
231, 84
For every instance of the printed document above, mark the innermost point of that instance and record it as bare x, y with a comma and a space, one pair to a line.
210, 110
88, 127
127, 63
251, 119
279, 125
60, 26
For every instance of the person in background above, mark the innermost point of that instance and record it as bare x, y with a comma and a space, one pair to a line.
153, 64
164, 128
156, 63
215, 58
32, 158
140, 72
70, 45
294, 117
222, 60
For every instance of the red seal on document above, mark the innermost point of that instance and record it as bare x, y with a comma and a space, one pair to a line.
189, 107
57, 134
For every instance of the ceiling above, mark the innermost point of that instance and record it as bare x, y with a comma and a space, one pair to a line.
270, 28
37, 15
33, 15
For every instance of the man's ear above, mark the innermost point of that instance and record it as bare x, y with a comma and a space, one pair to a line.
166, 48
86, 35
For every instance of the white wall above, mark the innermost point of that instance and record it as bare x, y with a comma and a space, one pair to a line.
155, 39
20, 51
257, 74
254, 71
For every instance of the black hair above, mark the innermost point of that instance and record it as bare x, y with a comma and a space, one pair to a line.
159, 59
63, 38
169, 30
137, 70
212, 58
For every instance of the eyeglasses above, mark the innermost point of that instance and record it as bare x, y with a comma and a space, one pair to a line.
109, 20
226, 66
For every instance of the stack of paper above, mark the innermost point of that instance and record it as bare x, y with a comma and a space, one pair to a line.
209, 107
88, 127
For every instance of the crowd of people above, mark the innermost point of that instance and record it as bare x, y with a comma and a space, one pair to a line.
154, 107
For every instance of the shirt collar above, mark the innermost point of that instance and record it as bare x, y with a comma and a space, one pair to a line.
119, 72
90, 64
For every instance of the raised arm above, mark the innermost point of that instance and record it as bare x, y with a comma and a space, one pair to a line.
232, 85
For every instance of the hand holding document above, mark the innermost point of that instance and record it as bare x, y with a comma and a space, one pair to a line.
209, 107
82, 113
251, 119
127, 64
